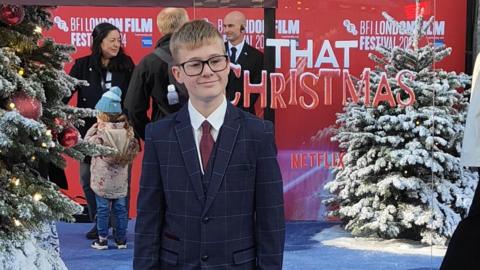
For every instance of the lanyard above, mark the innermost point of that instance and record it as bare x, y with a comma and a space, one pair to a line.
107, 82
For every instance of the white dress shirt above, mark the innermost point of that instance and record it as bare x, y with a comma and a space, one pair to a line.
215, 119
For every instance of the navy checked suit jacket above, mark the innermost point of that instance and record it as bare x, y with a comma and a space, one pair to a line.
238, 223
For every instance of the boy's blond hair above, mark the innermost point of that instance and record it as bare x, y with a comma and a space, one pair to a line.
193, 35
170, 19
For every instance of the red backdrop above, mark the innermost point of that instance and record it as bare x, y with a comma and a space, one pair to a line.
331, 34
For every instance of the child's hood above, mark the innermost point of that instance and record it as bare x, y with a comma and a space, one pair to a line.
116, 135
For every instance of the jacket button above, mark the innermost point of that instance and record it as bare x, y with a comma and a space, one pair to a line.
204, 258
206, 220
84, 99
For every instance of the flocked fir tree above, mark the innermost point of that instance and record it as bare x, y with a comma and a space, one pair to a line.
402, 176
37, 129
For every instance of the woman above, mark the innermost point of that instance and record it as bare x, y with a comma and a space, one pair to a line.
105, 67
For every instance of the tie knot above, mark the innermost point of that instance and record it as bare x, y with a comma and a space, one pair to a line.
206, 127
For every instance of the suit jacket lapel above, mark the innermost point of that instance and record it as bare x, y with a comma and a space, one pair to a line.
184, 131
226, 142
243, 56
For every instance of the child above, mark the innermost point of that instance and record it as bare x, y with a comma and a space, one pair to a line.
211, 194
109, 179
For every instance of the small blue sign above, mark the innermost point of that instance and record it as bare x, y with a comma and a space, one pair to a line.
439, 42
147, 42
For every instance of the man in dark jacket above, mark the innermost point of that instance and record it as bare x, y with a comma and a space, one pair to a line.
462, 252
241, 53
150, 77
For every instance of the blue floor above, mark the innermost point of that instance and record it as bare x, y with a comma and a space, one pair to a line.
300, 252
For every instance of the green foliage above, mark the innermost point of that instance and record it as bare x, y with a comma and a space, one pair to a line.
28, 147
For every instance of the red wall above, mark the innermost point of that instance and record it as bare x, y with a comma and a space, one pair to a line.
317, 24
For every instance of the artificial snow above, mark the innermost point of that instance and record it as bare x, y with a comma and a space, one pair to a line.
39, 251
31, 257
337, 237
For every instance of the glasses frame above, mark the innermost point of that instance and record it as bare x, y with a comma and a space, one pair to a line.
203, 64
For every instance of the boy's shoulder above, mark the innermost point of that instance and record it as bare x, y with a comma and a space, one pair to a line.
254, 124
163, 124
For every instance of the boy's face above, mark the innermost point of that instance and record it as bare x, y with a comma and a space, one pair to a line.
208, 86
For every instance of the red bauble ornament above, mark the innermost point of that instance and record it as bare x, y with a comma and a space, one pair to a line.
68, 137
27, 106
54, 133
59, 122
11, 14
57, 127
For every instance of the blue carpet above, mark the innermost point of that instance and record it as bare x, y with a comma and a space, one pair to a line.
300, 252
76, 252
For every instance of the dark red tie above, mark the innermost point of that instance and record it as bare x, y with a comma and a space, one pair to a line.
206, 144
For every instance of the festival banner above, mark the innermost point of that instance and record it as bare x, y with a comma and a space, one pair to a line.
319, 46
335, 37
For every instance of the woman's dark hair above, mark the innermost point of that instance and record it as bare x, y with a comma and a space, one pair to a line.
120, 62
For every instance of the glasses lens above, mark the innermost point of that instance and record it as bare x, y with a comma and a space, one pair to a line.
218, 63
193, 68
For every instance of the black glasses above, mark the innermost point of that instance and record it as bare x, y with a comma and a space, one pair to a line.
195, 67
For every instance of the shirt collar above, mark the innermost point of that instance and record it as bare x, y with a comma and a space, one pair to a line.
215, 119
239, 47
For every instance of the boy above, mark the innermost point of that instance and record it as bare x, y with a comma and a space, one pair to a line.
211, 193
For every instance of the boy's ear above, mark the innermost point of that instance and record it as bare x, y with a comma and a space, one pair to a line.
176, 73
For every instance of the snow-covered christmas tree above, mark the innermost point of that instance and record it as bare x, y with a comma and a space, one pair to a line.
402, 177
36, 129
